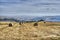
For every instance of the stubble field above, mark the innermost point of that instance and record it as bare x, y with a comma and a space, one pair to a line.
27, 31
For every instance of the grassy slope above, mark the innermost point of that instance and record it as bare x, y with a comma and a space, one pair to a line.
26, 31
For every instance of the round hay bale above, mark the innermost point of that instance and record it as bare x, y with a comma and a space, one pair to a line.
19, 23
44, 22
35, 24
10, 24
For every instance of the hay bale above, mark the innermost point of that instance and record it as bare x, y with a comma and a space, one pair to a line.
35, 24
10, 25
44, 22
20, 23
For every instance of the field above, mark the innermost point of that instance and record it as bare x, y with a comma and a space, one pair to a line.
27, 31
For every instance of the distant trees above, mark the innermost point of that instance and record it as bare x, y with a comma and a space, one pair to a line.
29, 21
41, 20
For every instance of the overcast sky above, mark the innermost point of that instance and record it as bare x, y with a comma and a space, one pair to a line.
29, 7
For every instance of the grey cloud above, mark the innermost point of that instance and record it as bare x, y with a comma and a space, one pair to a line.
29, 6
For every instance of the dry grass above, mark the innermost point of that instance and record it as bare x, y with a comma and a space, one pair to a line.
27, 31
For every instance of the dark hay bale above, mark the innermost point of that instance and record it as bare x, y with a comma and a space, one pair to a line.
10, 25
44, 22
20, 23
35, 24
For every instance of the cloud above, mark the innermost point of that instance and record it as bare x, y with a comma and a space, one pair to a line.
29, 7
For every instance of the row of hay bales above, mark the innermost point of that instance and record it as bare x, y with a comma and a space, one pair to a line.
10, 24
20, 23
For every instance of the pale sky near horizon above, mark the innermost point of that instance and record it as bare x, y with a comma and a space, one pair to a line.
29, 7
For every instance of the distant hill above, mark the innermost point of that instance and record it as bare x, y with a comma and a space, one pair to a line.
52, 18
30, 18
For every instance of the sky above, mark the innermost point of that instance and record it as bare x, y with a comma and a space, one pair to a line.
29, 7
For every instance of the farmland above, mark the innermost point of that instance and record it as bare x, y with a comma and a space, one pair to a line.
27, 31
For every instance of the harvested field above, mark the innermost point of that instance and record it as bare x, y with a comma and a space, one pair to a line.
27, 31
